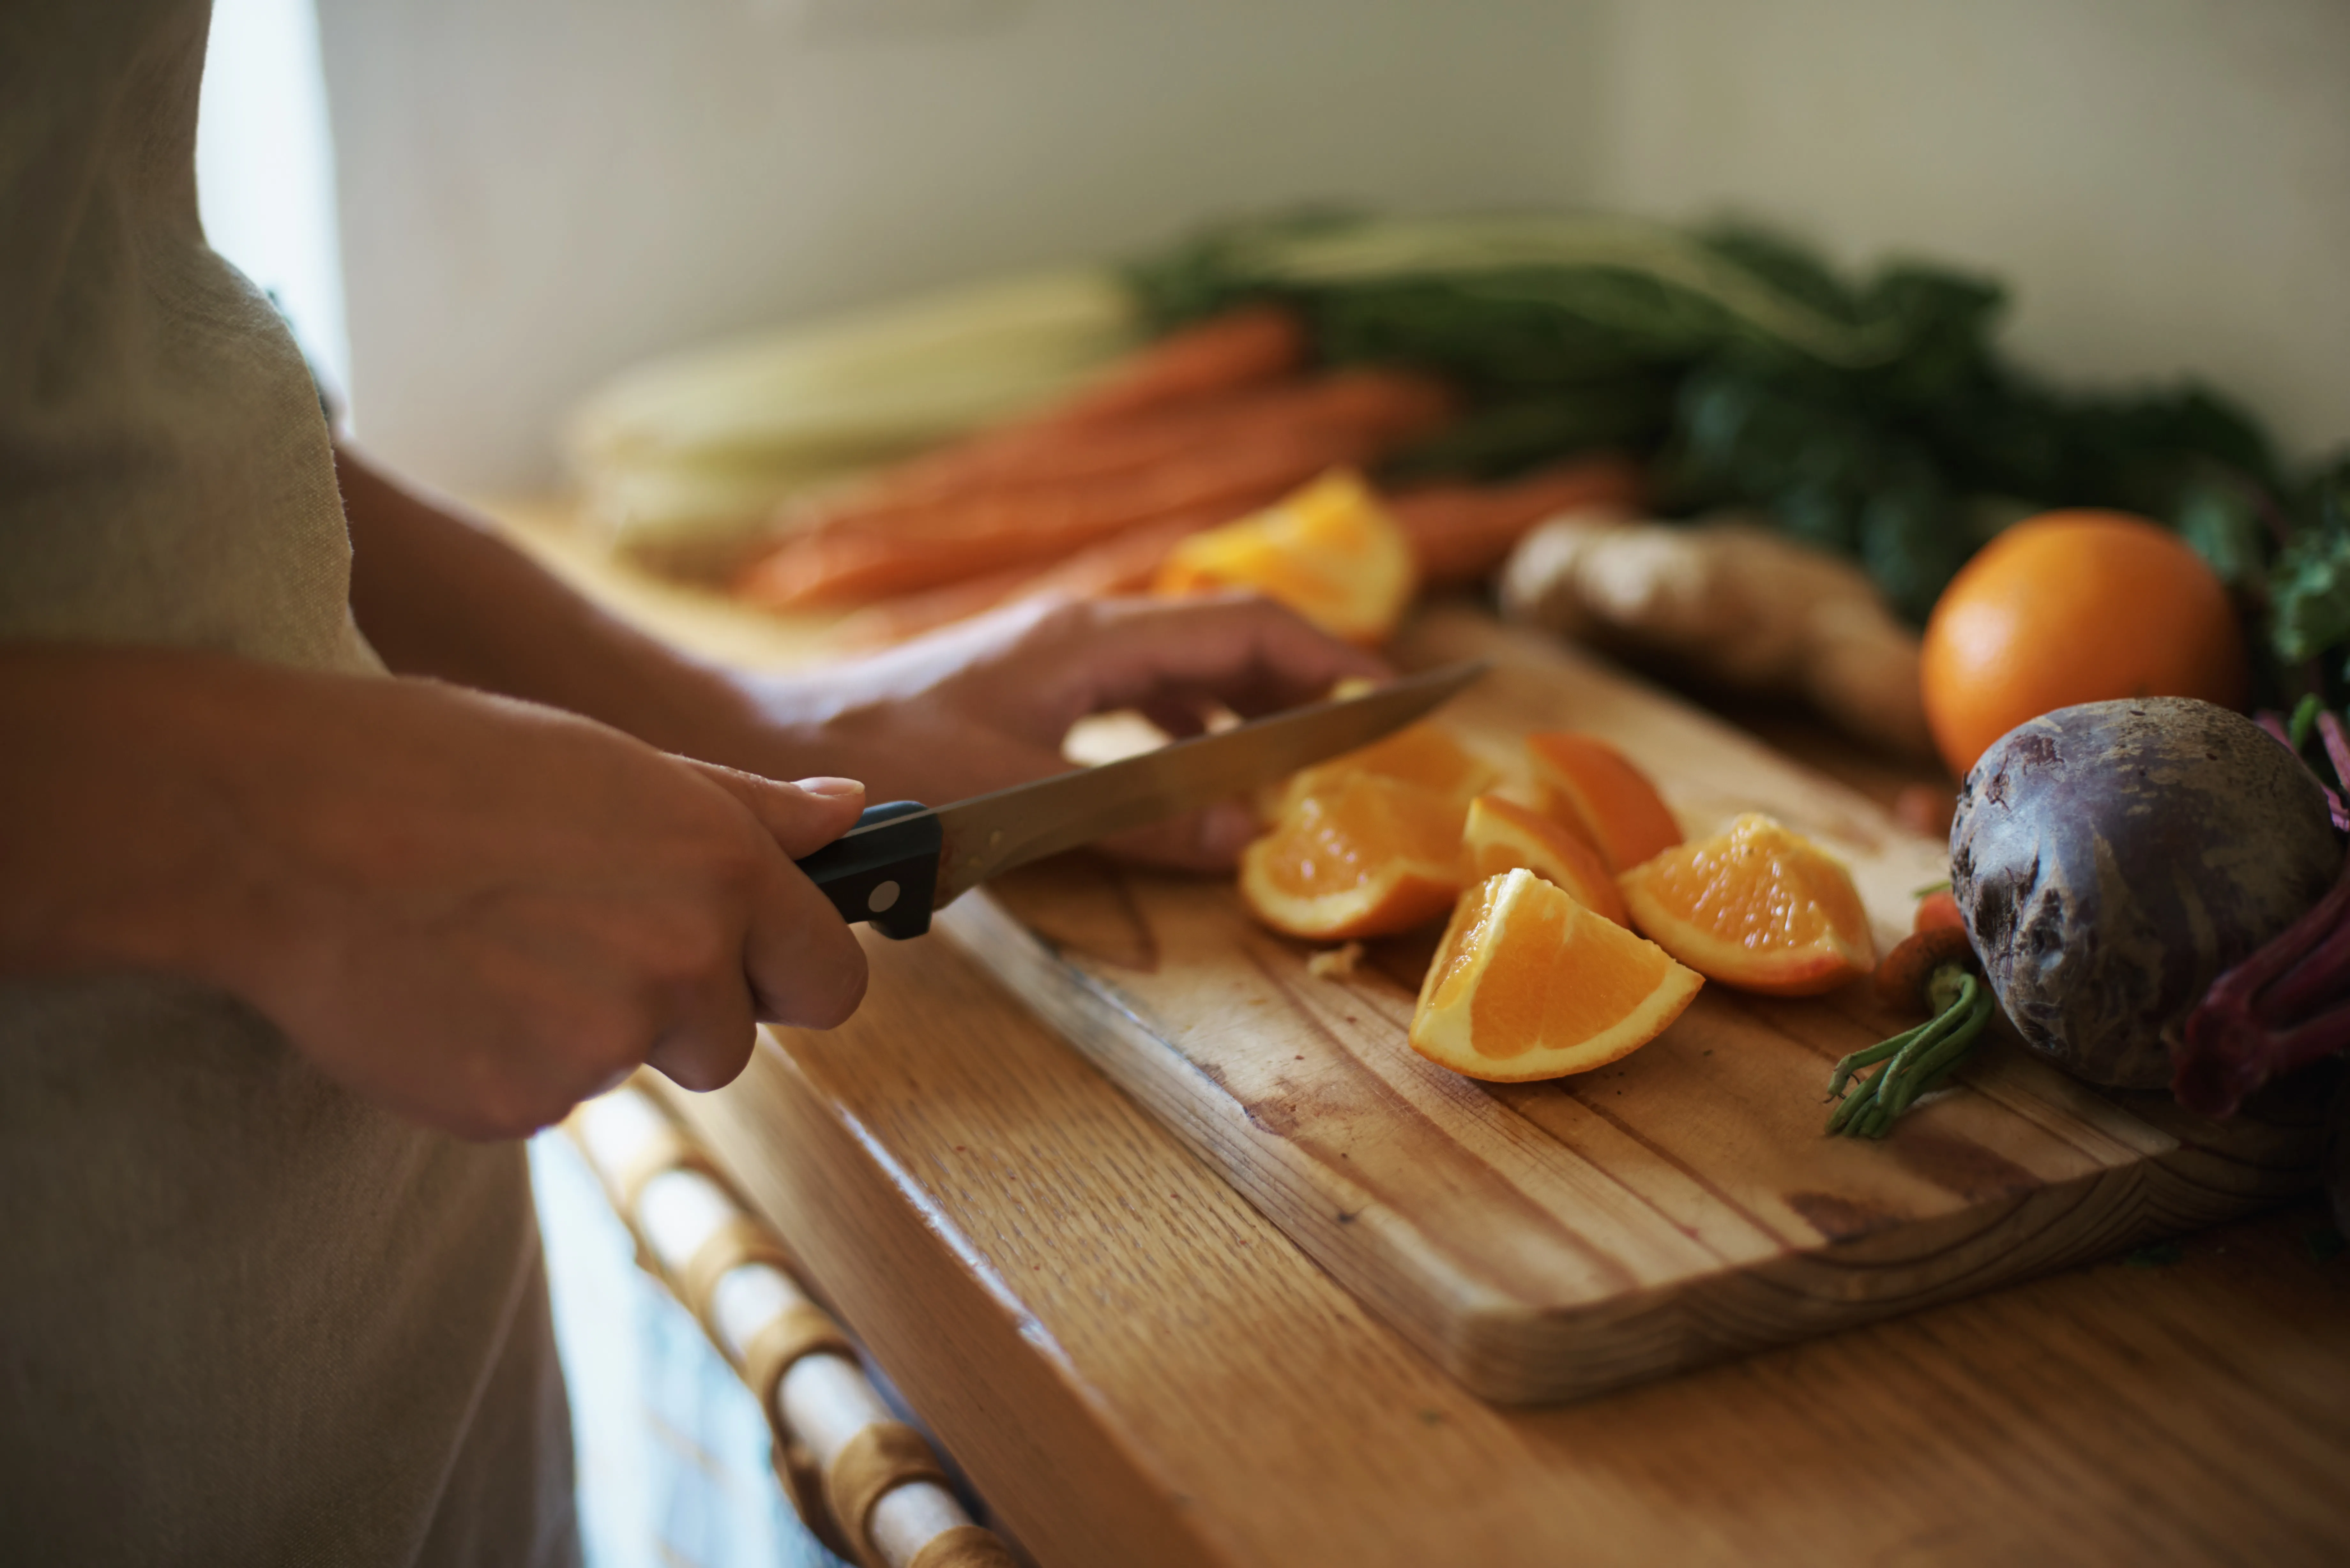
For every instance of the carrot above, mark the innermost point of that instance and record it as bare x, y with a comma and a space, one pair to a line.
854, 557
988, 533
1253, 343
1460, 533
1938, 908
1386, 406
1901, 978
1122, 563
1206, 365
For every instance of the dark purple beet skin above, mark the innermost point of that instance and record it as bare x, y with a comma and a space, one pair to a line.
2112, 859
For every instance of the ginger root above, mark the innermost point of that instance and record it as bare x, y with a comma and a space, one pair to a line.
1729, 602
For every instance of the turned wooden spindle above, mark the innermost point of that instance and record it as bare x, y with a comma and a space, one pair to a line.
864, 1482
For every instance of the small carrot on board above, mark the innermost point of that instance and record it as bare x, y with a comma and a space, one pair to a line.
1460, 533
1938, 909
1900, 980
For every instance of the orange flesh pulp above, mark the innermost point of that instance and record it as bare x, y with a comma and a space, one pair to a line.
1590, 787
1500, 836
1371, 857
1530, 985
1420, 755
1328, 551
1758, 907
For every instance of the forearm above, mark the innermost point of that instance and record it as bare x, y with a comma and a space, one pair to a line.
121, 815
476, 912
439, 594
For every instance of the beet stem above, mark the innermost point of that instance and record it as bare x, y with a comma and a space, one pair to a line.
1920, 1057
2337, 744
2237, 1036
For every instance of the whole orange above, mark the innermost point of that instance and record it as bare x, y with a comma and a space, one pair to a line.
2074, 606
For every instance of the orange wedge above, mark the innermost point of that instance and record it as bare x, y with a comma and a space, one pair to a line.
1528, 983
1371, 857
1758, 908
1420, 754
1588, 785
1328, 551
1501, 835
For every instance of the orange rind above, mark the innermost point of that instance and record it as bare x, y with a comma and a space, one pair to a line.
1503, 836
1371, 857
1330, 551
1758, 907
1529, 983
1589, 786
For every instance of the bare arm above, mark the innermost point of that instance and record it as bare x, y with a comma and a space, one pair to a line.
476, 912
972, 708
439, 594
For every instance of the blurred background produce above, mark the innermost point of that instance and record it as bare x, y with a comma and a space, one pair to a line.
1882, 297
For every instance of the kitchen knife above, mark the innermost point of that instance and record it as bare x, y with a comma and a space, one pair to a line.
904, 859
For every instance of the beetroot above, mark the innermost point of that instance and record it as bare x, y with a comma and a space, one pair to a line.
2113, 859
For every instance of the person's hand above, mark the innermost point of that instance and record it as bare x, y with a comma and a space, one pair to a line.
474, 912
988, 703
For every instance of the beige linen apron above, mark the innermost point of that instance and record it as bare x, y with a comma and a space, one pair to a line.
244, 1316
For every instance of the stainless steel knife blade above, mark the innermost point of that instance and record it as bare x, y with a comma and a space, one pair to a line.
987, 835
991, 834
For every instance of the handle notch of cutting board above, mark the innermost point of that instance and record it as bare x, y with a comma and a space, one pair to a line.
884, 870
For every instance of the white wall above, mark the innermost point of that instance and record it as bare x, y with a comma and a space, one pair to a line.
264, 168
2166, 183
536, 191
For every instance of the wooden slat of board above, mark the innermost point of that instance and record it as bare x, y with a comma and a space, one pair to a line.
1549, 1240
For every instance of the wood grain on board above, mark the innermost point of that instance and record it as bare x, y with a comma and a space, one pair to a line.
1548, 1240
1134, 1366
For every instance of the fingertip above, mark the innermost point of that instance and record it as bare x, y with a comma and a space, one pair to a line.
831, 990
1224, 832
1209, 840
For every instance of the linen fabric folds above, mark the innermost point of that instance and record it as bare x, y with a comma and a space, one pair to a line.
246, 1317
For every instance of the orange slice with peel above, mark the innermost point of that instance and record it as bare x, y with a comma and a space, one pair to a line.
1330, 551
1591, 787
1528, 983
1758, 907
1368, 857
1422, 755
1501, 835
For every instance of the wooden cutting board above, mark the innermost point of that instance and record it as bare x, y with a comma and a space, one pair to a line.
1548, 1240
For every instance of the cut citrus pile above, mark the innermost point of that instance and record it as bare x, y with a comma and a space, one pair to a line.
1528, 983
1503, 836
1420, 755
1330, 551
1588, 786
1369, 856
1758, 908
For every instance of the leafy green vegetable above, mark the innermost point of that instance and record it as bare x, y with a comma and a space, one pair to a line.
2309, 583
1873, 417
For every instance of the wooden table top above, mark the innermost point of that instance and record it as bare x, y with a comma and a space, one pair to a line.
1134, 1367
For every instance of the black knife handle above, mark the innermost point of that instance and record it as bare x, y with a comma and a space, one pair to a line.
883, 870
